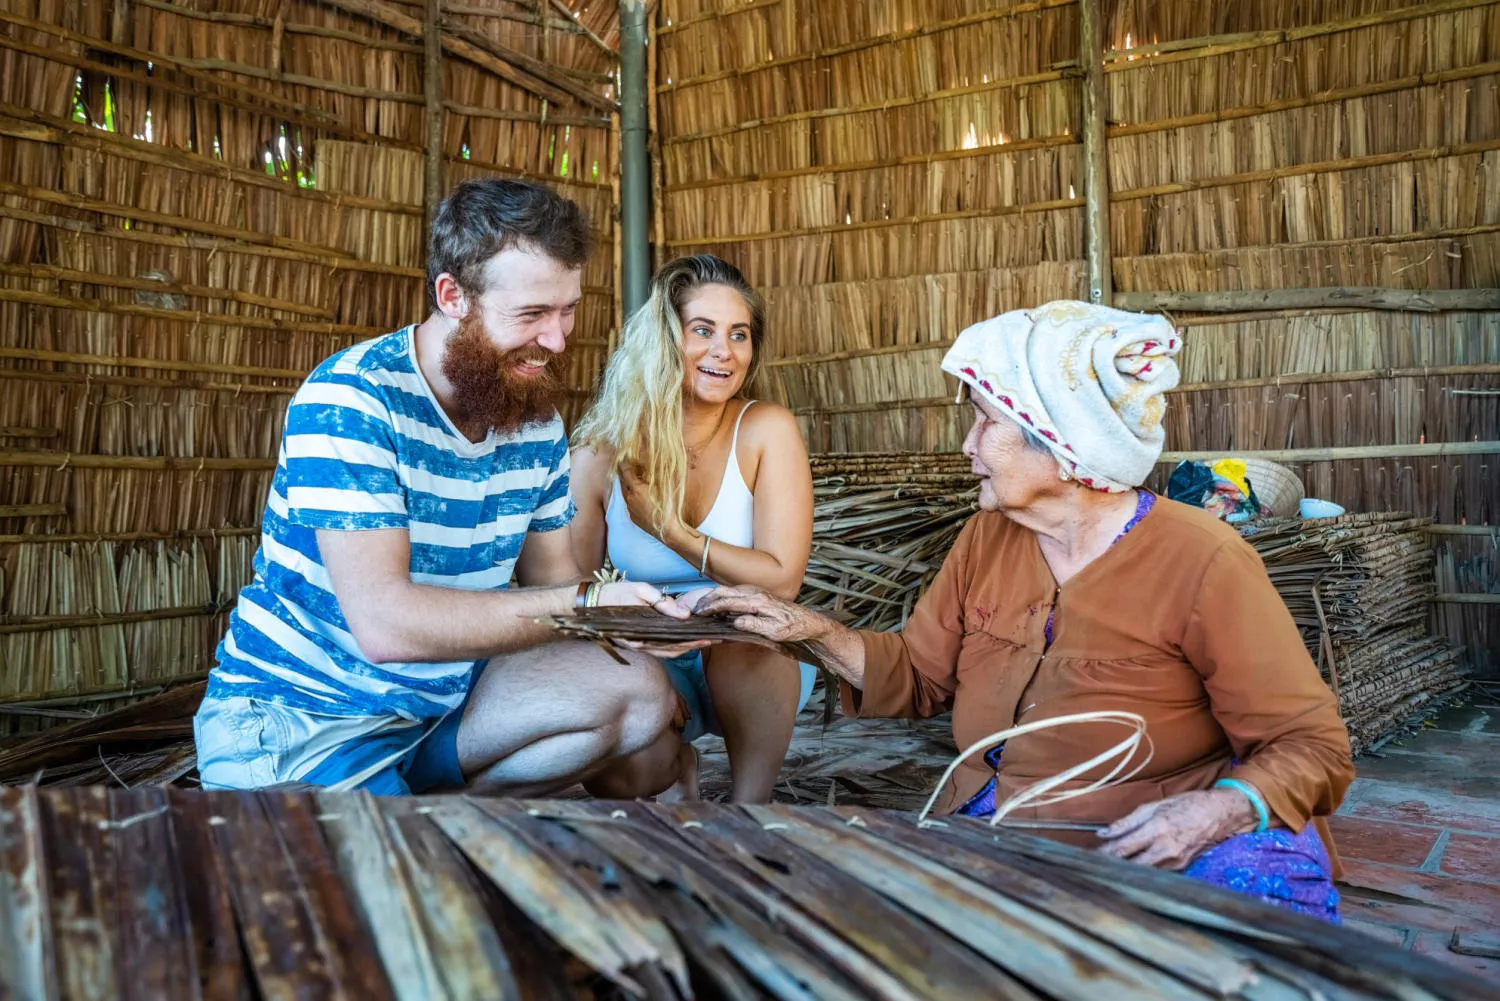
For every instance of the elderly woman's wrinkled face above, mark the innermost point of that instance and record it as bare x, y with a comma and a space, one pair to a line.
1013, 474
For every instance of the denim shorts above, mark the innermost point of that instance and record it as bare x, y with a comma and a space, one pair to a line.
246, 743
688, 678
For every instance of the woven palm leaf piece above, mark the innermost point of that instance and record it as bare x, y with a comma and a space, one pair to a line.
613, 624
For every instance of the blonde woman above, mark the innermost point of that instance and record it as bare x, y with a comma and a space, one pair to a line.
685, 482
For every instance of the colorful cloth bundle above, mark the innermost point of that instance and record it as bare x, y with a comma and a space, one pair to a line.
1220, 488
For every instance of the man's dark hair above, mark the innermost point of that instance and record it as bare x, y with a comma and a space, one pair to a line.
481, 218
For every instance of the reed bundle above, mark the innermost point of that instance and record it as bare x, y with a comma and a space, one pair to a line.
1359, 587
610, 626
490, 897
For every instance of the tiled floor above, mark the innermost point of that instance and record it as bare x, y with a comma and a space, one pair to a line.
1419, 834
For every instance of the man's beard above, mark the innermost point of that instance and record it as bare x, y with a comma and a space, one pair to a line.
486, 389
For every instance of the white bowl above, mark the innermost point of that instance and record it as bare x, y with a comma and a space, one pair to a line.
1311, 507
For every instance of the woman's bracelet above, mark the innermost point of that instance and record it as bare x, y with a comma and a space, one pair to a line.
703, 563
1255, 798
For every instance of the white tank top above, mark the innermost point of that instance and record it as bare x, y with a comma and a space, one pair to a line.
642, 557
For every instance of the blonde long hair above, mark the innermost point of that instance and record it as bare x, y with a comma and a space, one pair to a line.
638, 409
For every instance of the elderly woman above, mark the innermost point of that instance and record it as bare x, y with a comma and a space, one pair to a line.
1074, 590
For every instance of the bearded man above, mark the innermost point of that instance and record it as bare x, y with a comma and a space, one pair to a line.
380, 645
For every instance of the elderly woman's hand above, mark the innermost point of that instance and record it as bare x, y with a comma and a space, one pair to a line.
1172, 832
756, 611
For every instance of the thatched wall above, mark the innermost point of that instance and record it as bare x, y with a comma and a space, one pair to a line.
237, 194
893, 172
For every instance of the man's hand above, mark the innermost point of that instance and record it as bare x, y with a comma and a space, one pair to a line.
1172, 832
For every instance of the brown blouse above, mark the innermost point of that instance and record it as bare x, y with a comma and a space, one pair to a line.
1176, 622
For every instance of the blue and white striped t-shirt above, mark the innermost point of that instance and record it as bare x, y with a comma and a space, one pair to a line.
366, 446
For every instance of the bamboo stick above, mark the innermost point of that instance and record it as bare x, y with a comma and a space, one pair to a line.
580, 92
33, 510
432, 89
1025, 80
288, 27
230, 320
173, 463
521, 17
1466, 599
1119, 130
26, 432
1406, 451
1215, 45
155, 59
550, 117
47, 271
48, 623
598, 42
119, 22
714, 15
1302, 169
1095, 152
1420, 301
1491, 531
163, 364
1276, 173
193, 533
230, 246
310, 82
864, 224
393, 17
58, 132
890, 38
91, 379
134, 214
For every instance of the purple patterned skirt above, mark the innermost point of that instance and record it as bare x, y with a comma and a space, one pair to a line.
1275, 866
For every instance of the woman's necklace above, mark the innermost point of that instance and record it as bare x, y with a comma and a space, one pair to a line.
693, 451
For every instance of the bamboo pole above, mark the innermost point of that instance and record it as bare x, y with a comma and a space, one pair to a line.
1137, 128
50, 273
635, 165
49, 623
508, 115
27, 432
1467, 599
520, 17
60, 132
186, 533
714, 15
1179, 187
168, 463
1302, 169
551, 75
195, 317
1027, 80
1423, 301
394, 17
287, 27
890, 38
864, 224
598, 42
1095, 153
1301, 379
653, 138
161, 364
53, 197
1159, 54
1490, 531
119, 22
155, 59
33, 510
1413, 450
432, 89
139, 382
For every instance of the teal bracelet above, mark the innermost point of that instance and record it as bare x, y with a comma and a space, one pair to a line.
1253, 795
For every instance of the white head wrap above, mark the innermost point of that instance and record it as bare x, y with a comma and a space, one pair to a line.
1088, 380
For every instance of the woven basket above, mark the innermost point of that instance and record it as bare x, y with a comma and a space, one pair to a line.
1279, 490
